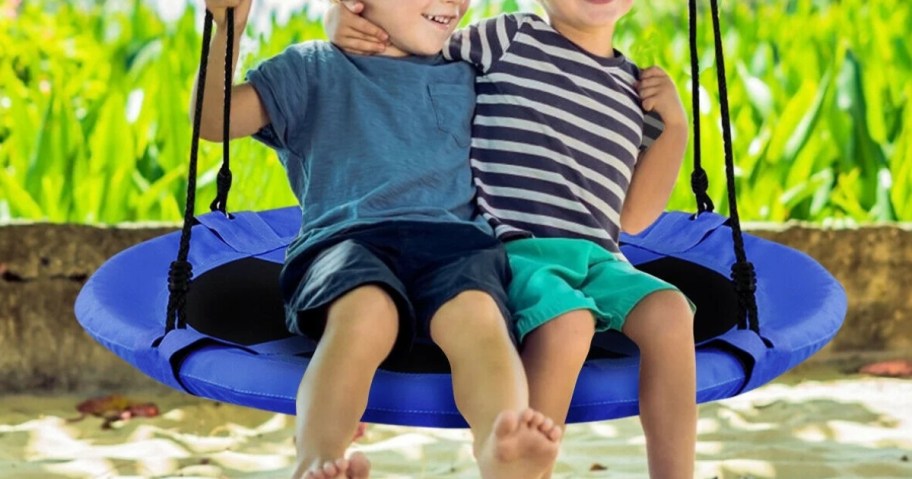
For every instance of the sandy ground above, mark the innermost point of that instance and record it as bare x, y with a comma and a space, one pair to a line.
813, 423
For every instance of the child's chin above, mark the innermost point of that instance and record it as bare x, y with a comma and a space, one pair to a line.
425, 52
425, 49
430, 52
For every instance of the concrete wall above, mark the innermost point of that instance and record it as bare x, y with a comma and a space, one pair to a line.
42, 268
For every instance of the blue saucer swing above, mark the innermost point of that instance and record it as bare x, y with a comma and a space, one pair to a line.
225, 338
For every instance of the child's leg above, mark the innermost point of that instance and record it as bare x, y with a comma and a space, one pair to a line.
662, 327
361, 328
490, 389
487, 375
553, 355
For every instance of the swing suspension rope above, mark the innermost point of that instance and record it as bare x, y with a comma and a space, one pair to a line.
743, 274
180, 273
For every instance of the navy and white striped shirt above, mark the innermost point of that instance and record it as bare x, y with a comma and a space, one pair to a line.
557, 130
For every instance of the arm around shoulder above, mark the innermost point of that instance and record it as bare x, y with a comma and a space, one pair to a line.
484, 43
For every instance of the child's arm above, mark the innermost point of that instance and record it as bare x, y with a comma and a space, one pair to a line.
480, 44
348, 30
247, 112
657, 168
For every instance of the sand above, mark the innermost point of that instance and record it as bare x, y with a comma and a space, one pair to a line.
809, 424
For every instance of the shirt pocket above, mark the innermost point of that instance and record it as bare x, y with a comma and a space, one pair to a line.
453, 110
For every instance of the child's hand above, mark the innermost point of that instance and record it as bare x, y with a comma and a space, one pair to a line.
659, 94
348, 30
219, 10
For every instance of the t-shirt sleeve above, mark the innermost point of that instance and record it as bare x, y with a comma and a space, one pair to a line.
282, 85
484, 43
653, 126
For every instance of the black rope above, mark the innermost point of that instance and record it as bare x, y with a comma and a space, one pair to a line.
699, 182
223, 181
180, 273
742, 272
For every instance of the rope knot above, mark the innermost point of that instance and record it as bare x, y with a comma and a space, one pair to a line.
745, 279
744, 276
179, 276
223, 186
223, 180
699, 182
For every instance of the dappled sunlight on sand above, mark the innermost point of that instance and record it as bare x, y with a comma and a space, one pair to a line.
813, 425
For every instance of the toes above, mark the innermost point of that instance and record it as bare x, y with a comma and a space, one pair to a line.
527, 415
358, 466
536, 420
341, 465
327, 470
358, 458
506, 423
553, 433
546, 425
330, 470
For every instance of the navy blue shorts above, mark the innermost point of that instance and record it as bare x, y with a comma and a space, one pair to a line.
421, 266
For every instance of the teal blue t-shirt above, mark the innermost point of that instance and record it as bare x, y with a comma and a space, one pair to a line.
369, 139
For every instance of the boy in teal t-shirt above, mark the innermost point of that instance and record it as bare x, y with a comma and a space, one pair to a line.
391, 249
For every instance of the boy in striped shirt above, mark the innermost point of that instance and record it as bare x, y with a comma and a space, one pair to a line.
571, 144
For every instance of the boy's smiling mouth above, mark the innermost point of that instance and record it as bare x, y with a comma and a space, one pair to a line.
442, 20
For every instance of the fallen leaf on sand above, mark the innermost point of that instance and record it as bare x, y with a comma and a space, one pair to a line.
897, 368
115, 407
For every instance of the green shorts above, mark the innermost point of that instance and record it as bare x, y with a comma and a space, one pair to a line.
553, 276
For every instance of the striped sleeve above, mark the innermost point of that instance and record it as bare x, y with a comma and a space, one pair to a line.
483, 43
653, 126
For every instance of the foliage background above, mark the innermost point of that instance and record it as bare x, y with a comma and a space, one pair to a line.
94, 97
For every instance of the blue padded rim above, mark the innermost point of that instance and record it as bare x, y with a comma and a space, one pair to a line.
123, 304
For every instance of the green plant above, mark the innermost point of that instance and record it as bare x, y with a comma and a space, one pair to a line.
94, 98
819, 113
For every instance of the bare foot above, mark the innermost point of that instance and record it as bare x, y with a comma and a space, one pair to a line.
360, 431
358, 466
522, 445
326, 470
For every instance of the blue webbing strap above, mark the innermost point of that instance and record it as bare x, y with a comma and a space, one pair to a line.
245, 232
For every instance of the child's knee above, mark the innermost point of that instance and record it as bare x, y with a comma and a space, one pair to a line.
680, 313
367, 313
574, 326
471, 304
472, 312
664, 316
569, 331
